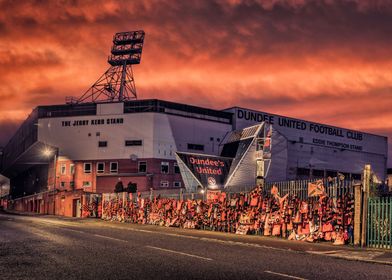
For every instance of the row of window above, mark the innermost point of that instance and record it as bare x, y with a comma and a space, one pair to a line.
165, 184
142, 167
87, 167
72, 184
103, 144
128, 143
63, 169
165, 167
327, 173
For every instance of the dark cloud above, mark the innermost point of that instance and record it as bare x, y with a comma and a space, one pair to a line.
7, 127
34, 59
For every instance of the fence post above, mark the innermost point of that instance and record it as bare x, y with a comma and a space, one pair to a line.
357, 214
366, 186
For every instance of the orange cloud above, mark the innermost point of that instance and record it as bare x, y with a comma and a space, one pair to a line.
327, 61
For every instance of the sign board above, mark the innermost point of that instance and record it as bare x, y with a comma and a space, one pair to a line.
210, 171
311, 132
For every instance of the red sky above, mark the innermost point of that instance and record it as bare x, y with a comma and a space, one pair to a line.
326, 61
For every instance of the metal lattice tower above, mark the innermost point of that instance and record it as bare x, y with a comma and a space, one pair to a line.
117, 83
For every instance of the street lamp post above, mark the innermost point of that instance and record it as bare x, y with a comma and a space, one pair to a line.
47, 153
203, 192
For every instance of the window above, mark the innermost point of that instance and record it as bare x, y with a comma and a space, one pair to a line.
196, 147
164, 184
63, 169
86, 183
259, 144
100, 167
133, 142
102, 144
318, 173
62, 184
98, 134
72, 184
177, 184
113, 167
303, 171
176, 168
356, 176
87, 167
142, 167
164, 167
72, 168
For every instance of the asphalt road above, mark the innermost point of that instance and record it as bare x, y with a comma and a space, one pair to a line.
58, 248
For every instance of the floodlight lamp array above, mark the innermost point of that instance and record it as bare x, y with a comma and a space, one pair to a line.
127, 48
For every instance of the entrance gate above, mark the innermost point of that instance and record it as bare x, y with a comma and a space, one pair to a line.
76, 208
379, 219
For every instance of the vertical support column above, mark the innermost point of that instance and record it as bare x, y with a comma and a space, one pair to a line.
122, 82
357, 214
366, 187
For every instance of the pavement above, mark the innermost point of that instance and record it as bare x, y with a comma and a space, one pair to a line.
41, 247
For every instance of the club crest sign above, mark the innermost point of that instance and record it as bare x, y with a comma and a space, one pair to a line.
211, 181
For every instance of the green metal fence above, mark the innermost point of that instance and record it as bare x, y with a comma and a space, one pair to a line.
379, 219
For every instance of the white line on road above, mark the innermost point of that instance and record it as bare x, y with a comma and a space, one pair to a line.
208, 239
180, 253
74, 230
284, 275
111, 238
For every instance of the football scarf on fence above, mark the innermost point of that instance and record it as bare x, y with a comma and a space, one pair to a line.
316, 189
242, 213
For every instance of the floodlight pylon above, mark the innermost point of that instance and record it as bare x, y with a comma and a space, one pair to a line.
117, 83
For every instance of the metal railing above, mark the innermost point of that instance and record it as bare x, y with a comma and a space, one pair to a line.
333, 187
379, 222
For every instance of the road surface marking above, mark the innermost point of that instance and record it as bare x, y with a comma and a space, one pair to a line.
74, 230
108, 237
322, 252
180, 253
207, 239
284, 275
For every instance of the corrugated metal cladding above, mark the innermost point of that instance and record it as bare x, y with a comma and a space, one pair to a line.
320, 148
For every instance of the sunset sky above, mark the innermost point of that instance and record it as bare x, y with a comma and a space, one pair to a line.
325, 61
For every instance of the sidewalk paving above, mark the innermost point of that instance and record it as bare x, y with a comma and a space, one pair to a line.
347, 252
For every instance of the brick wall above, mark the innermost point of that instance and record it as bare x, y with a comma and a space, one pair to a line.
128, 170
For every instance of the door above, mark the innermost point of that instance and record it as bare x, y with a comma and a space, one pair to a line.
260, 172
76, 208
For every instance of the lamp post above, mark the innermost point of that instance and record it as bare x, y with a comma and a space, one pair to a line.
47, 152
203, 192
